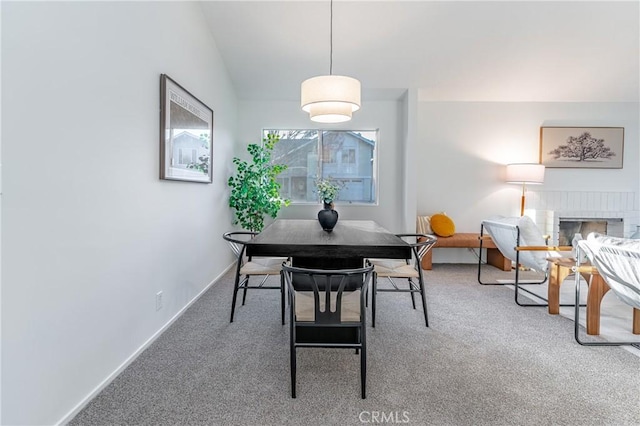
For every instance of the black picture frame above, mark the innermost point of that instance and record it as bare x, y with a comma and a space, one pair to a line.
186, 134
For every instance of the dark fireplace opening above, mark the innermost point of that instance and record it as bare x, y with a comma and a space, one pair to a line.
568, 228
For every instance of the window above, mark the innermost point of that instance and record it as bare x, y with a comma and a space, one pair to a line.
347, 157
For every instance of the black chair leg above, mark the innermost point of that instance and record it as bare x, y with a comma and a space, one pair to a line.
363, 369
244, 294
282, 291
366, 299
293, 371
373, 299
413, 299
424, 303
235, 296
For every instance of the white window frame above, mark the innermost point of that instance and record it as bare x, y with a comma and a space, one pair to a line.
374, 167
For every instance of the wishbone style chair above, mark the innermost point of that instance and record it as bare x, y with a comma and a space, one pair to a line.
327, 310
409, 269
247, 267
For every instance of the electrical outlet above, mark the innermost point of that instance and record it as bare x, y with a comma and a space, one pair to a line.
158, 300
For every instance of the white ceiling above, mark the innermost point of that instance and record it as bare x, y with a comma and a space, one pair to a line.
449, 50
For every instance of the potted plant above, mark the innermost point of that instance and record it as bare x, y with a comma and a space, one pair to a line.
255, 192
327, 191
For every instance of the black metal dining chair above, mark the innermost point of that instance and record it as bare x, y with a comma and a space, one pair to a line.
247, 267
327, 310
409, 269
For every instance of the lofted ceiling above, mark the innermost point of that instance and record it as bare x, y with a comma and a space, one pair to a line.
449, 50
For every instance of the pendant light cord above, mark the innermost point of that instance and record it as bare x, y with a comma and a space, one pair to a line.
331, 40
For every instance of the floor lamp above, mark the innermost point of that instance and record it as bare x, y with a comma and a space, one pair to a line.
525, 173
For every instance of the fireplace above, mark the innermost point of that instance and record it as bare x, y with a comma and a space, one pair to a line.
618, 209
569, 226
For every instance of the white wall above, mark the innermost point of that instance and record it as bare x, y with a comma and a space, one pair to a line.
89, 232
387, 116
463, 147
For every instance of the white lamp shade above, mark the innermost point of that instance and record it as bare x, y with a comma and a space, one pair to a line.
330, 98
330, 112
525, 173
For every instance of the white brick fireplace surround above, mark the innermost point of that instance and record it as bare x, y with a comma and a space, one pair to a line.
547, 208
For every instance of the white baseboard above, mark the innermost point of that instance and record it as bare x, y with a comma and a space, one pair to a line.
71, 414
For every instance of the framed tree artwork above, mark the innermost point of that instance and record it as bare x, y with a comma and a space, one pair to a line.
186, 131
582, 147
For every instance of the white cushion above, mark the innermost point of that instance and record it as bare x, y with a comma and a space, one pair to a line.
503, 232
305, 306
595, 240
423, 225
530, 235
621, 270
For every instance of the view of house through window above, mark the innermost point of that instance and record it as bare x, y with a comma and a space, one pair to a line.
347, 157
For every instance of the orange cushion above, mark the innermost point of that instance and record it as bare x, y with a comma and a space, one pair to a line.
442, 225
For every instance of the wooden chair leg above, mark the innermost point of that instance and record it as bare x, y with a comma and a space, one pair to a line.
597, 289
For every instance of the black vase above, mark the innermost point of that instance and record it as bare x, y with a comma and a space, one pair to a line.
328, 217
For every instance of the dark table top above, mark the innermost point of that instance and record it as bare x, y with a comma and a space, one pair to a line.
350, 238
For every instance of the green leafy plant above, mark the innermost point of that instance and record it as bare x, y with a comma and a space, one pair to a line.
255, 192
327, 190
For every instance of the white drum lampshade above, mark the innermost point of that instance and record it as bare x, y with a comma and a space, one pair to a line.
525, 173
330, 98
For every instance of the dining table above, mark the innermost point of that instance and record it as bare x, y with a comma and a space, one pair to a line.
309, 246
347, 246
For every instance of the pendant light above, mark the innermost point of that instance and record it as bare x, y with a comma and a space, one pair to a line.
330, 98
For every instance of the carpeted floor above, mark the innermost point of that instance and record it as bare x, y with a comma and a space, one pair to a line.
483, 361
616, 317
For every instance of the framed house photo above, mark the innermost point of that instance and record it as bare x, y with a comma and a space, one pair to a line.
582, 147
186, 131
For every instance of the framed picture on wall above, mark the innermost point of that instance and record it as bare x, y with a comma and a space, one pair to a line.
186, 131
582, 147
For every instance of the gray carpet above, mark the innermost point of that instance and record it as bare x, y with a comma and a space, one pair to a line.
483, 361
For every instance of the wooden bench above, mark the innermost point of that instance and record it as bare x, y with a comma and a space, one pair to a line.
469, 240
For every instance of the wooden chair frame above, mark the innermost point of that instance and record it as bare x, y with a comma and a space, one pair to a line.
608, 273
517, 250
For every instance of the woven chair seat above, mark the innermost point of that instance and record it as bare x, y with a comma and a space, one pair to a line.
263, 266
394, 268
350, 311
247, 267
403, 269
